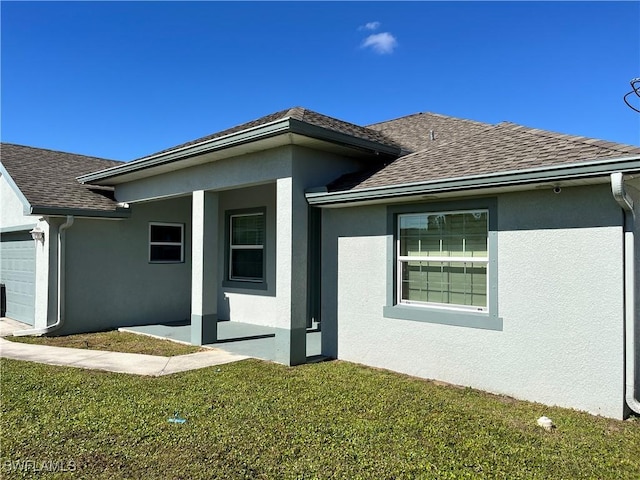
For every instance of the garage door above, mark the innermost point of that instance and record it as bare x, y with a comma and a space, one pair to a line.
17, 273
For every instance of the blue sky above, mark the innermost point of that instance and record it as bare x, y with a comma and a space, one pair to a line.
124, 79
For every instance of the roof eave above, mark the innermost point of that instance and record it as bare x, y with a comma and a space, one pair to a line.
320, 197
219, 143
322, 133
277, 127
119, 212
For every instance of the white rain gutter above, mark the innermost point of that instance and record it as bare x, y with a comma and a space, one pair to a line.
62, 237
626, 202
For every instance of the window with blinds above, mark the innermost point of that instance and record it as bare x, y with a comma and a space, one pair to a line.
442, 259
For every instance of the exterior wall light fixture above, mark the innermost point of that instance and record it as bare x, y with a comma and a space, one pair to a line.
37, 234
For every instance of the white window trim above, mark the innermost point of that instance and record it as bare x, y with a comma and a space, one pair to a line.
233, 247
181, 244
400, 259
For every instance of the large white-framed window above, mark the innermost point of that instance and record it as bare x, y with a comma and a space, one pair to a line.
443, 259
166, 242
443, 263
246, 246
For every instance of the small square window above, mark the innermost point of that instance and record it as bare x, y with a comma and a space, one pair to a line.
166, 243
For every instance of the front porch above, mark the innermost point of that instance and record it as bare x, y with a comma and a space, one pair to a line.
230, 253
234, 337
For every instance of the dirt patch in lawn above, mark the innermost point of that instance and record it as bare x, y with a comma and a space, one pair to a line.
114, 341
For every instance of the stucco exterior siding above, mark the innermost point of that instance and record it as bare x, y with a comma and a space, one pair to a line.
237, 172
275, 180
559, 297
565, 296
109, 279
256, 306
564, 308
12, 207
12, 218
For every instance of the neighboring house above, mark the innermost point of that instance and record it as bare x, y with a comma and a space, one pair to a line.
38, 194
493, 256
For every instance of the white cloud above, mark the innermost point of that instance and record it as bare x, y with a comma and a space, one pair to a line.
370, 26
381, 43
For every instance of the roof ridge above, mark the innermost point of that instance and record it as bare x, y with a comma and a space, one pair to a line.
307, 113
617, 146
434, 114
61, 151
297, 113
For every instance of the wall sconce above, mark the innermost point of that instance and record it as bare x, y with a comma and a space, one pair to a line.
37, 234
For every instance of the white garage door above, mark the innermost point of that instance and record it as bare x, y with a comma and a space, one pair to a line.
18, 274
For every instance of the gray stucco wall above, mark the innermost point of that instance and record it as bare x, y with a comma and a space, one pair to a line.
236, 172
109, 280
559, 295
312, 168
12, 217
309, 168
250, 181
11, 207
245, 304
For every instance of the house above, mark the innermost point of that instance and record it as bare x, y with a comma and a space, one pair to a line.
498, 257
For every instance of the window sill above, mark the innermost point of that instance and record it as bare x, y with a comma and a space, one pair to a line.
244, 285
458, 318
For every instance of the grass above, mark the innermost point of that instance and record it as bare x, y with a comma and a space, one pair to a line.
113, 341
254, 419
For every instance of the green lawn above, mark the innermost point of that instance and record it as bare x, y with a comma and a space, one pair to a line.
255, 419
113, 341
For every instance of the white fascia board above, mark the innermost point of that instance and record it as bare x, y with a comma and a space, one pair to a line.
319, 196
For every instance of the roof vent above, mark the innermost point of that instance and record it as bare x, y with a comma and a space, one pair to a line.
432, 135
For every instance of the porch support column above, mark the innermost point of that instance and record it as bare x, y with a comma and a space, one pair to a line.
204, 268
291, 274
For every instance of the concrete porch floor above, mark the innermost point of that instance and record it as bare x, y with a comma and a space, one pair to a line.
233, 337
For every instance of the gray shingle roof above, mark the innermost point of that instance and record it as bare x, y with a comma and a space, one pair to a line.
500, 148
47, 178
303, 115
421, 130
457, 148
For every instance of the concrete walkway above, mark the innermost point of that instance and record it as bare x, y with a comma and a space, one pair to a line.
110, 361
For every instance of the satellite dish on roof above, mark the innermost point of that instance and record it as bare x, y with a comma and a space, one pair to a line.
635, 90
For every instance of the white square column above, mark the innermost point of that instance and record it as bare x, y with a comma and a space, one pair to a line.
291, 274
204, 268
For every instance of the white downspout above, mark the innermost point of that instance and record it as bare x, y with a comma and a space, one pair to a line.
61, 284
626, 202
